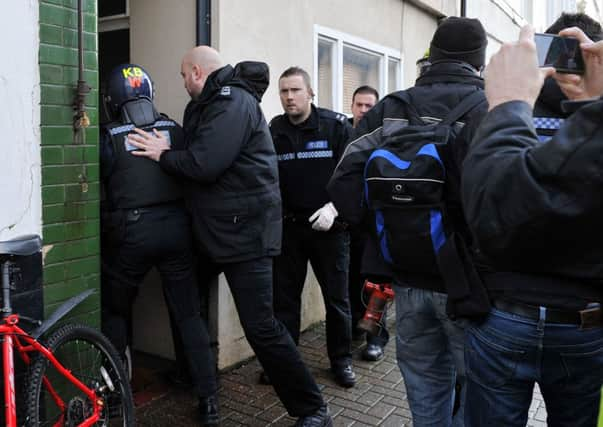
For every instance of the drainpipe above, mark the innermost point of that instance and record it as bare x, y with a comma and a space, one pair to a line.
204, 22
463, 8
81, 120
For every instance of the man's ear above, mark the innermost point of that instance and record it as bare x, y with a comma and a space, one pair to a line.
197, 71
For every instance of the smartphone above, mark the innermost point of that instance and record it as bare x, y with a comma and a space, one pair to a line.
562, 53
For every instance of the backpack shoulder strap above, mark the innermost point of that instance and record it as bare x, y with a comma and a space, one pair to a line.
413, 115
466, 105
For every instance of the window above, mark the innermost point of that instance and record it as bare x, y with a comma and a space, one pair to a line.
344, 62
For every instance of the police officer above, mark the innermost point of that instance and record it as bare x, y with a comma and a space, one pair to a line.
363, 99
144, 225
236, 208
308, 142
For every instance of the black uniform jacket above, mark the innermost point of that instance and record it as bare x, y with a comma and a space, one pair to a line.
436, 92
234, 196
307, 155
537, 208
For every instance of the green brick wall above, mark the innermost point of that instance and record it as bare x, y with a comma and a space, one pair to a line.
70, 169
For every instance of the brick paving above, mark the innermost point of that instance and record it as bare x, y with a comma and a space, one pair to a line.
378, 399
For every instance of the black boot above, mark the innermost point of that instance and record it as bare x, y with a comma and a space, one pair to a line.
320, 418
208, 410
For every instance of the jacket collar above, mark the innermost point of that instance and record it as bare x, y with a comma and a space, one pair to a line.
311, 123
450, 72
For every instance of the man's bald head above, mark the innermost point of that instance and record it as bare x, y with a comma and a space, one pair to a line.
197, 64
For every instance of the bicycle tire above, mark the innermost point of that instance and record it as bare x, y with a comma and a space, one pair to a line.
88, 354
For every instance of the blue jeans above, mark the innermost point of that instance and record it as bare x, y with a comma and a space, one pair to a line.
506, 354
429, 349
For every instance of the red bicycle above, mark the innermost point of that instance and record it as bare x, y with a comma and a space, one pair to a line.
75, 376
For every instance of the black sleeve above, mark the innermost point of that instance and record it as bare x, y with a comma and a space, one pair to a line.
106, 155
520, 195
345, 134
217, 141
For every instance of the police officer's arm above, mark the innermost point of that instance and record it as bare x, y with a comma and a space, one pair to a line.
217, 141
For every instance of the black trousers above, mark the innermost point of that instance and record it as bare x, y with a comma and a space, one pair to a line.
250, 283
158, 236
358, 298
328, 253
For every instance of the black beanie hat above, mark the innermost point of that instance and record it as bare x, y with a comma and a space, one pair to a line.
461, 39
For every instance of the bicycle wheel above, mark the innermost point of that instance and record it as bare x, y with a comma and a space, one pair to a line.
94, 361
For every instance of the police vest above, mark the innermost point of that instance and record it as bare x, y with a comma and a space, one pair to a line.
138, 181
546, 127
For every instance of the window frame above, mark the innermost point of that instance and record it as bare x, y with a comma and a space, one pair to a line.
119, 21
341, 39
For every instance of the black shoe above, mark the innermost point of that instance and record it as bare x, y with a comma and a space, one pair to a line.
344, 376
372, 352
264, 378
320, 418
208, 411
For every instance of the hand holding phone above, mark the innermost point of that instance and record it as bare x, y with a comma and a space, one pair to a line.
562, 53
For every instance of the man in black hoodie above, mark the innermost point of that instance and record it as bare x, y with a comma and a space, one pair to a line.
429, 344
234, 199
548, 115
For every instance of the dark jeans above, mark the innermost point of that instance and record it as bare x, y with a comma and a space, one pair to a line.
506, 354
358, 298
250, 283
158, 237
328, 253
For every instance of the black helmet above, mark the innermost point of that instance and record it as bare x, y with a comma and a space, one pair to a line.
127, 82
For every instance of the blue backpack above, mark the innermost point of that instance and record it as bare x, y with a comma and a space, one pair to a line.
405, 186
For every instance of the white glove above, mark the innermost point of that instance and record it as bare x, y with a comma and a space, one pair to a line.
323, 218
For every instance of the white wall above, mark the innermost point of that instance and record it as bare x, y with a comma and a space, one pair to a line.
20, 192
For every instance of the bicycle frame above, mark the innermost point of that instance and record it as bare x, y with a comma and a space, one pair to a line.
13, 336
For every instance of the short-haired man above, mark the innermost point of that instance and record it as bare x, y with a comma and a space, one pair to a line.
363, 99
429, 344
535, 210
235, 204
308, 142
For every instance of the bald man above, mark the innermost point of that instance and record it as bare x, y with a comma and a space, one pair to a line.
233, 196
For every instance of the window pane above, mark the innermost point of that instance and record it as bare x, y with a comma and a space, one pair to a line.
359, 68
393, 71
325, 73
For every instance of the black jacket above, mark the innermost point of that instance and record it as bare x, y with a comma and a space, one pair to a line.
307, 154
436, 92
234, 195
536, 208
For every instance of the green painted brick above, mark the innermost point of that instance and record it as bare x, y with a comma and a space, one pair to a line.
93, 246
74, 154
92, 135
70, 39
76, 193
53, 214
81, 229
70, 3
54, 273
75, 249
90, 22
58, 55
55, 255
71, 76
51, 73
51, 14
51, 34
82, 267
57, 135
53, 233
56, 95
62, 174
59, 2
53, 194
92, 172
91, 154
54, 115
59, 292
90, 6
52, 155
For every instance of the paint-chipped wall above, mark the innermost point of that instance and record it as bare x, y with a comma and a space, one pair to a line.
20, 121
